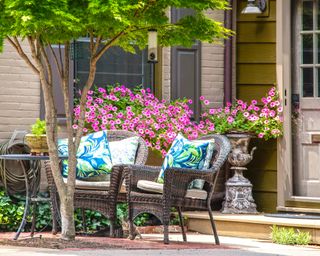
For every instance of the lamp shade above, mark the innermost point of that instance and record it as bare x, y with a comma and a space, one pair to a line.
251, 8
152, 45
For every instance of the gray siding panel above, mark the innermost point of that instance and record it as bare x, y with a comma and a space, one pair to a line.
19, 93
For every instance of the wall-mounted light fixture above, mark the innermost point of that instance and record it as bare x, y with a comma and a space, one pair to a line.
255, 7
153, 55
153, 45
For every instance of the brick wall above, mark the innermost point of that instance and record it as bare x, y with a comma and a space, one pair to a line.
166, 73
19, 93
212, 61
212, 65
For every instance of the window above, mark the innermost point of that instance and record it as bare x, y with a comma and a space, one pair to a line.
115, 66
307, 45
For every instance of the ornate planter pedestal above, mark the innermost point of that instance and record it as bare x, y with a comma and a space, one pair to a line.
238, 197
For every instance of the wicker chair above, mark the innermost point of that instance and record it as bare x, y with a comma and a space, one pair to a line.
175, 189
98, 196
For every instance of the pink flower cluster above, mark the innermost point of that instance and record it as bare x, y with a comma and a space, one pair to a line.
138, 110
159, 122
262, 118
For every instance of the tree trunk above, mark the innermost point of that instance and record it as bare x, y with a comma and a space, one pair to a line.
67, 217
43, 69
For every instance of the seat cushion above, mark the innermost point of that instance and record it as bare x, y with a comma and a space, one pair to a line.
93, 156
124, 151
91, 185
156, 187
184, 153
95, 185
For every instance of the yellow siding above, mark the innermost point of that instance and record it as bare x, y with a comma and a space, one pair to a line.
256, 74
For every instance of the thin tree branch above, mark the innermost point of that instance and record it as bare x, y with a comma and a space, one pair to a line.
137, 13
44, 55
22, 54
99, 54
96, 45
60, 55
91, 42
71, 144
51, 118
87, 87
151, 27
66, 60
61, 73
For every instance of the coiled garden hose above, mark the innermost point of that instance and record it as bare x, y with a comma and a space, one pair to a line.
11, 171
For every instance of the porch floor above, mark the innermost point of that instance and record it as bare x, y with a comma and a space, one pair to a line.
255, 226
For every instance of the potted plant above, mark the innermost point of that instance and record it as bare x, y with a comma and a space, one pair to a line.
240, 122
262, 119
37, 139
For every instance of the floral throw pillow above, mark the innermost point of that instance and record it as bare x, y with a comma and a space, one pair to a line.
124, 151
184, 153
93, 156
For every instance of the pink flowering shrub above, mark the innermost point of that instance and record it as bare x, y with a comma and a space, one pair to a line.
138, 110
262, 118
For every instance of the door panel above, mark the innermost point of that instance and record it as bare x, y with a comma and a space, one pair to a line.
306, 100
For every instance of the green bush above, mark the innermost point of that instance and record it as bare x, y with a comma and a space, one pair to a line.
289, 236
11, 212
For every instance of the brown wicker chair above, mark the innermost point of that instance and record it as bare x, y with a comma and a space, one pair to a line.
175, 189
99, 198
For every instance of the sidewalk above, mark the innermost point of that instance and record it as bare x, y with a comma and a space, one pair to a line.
230, 246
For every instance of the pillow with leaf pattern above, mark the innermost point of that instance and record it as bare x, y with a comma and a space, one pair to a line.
93, 156
184, 153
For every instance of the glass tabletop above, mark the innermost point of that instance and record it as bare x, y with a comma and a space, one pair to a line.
27, 157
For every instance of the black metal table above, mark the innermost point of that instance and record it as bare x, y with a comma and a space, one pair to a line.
32, 186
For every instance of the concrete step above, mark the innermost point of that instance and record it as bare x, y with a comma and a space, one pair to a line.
255, 226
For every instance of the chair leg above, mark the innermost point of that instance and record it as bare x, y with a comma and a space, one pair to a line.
166, 233
54, 224
84, 224
34, 216
130, 221
112, 224
166, 222
182, 225
213, 225
55, 212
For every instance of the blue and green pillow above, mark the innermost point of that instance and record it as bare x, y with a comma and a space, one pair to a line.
93, 156
184, 153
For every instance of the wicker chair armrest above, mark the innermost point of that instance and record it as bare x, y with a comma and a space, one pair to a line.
177, 180
134, 173
116, 179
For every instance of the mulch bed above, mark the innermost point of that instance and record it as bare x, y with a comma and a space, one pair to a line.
48, 240
54, 243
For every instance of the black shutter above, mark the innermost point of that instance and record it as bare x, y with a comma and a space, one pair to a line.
186, 68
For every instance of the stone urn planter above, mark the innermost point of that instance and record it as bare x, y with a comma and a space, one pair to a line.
238, 197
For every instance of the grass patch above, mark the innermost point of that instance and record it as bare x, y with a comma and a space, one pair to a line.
289, 236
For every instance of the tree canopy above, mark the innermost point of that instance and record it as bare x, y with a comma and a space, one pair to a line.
123, 23
127, 21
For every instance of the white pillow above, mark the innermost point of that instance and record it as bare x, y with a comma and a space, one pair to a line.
124, 151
